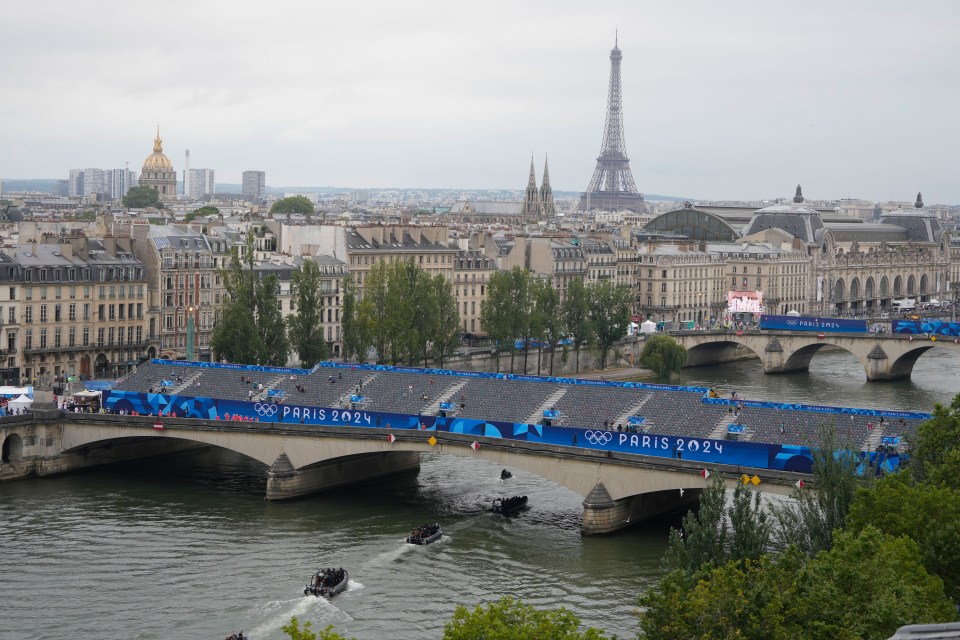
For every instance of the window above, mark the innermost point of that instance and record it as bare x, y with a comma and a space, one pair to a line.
13, 293
72, 337
28, 339
86, 336
43, 338
100, 337
72, 312
43, 313
56, 313
57, 337
13, 315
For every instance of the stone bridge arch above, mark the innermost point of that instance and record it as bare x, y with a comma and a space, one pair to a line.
617, 492
726, 349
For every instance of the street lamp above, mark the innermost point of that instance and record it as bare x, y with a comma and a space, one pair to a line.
190, 333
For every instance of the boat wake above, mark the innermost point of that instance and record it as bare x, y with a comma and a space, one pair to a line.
391, 556
353, 585
306, 608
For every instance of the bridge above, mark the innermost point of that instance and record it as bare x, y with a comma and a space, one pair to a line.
618, 488
884, 356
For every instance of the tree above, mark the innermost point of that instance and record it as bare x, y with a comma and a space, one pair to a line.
715, 534
810, 521
275, 347
867, 586
663, 355
354, 342
293, 204
609, 314
509, 619
864, 588
306, 323
495, 312
294, 632
576, 316
446, 328
546, 321
141, 198
235, 337
202, 211
935, 449
521, 312
928, 514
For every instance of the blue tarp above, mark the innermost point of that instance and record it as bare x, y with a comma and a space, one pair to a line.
930, 327
447, 406
276, 393
635, 420
356, 398
551, 413
97, 385
735, 428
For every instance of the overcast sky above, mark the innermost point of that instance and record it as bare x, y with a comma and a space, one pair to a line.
731, 100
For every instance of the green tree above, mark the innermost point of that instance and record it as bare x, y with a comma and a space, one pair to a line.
446, 326
354, 341
274, 344
546, 321
141, 198
293, 204
374, 310
867, 586
609, 315
715, 534
495, 312
520, 309
295, 632
928, 514
509, 619
663, 355
306, 323
810, 521
864, 588
935, 449
202, 211
576, 316
235, 336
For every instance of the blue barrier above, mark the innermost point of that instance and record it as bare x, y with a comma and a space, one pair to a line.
823, 325
928, 327
788, 406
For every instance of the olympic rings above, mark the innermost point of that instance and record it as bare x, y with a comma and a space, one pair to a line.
598, 437
265, 410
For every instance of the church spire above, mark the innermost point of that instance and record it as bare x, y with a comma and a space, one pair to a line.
532, 205
798, 196
919, 203
157, 142
546, 192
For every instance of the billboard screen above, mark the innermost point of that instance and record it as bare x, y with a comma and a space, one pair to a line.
745, 302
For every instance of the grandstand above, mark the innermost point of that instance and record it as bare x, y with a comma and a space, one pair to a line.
666, 411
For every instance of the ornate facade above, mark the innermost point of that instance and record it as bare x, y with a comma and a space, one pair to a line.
158, 172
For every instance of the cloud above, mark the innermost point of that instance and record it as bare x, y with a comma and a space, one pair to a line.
722, 100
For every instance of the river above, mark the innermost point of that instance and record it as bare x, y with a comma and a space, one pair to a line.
186, 547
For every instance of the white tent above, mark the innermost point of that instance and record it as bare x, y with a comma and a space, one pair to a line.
793, 313
632, 329
648, 326
18, 404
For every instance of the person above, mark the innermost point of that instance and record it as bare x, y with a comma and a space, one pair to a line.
574, 440
782, 429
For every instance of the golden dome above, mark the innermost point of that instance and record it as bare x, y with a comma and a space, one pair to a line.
156, 161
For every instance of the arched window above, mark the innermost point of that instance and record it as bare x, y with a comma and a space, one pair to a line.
838, 290
897, 285
868, 289
884, 286
855, 289
911, 284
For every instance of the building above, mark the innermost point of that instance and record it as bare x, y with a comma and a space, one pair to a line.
158, 172
198, 183
427, 247
558, 259
472, 271
75, 306
254, 185
184, 269
118, 182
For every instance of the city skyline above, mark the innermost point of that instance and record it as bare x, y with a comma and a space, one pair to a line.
737, 101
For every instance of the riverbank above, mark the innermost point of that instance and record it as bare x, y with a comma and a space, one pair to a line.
617, 374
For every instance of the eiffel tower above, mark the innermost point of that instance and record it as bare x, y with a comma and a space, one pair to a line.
612, 187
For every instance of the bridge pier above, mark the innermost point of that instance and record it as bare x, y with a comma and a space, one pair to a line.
285, 482
602, 514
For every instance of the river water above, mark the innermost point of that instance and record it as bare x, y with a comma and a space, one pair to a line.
186, 547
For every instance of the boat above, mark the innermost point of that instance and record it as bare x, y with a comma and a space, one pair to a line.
425, 534
327, 583
509, 506
505, 475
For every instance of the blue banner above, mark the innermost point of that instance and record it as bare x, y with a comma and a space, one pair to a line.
791, 406
748, 454
822, 325
928, 327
